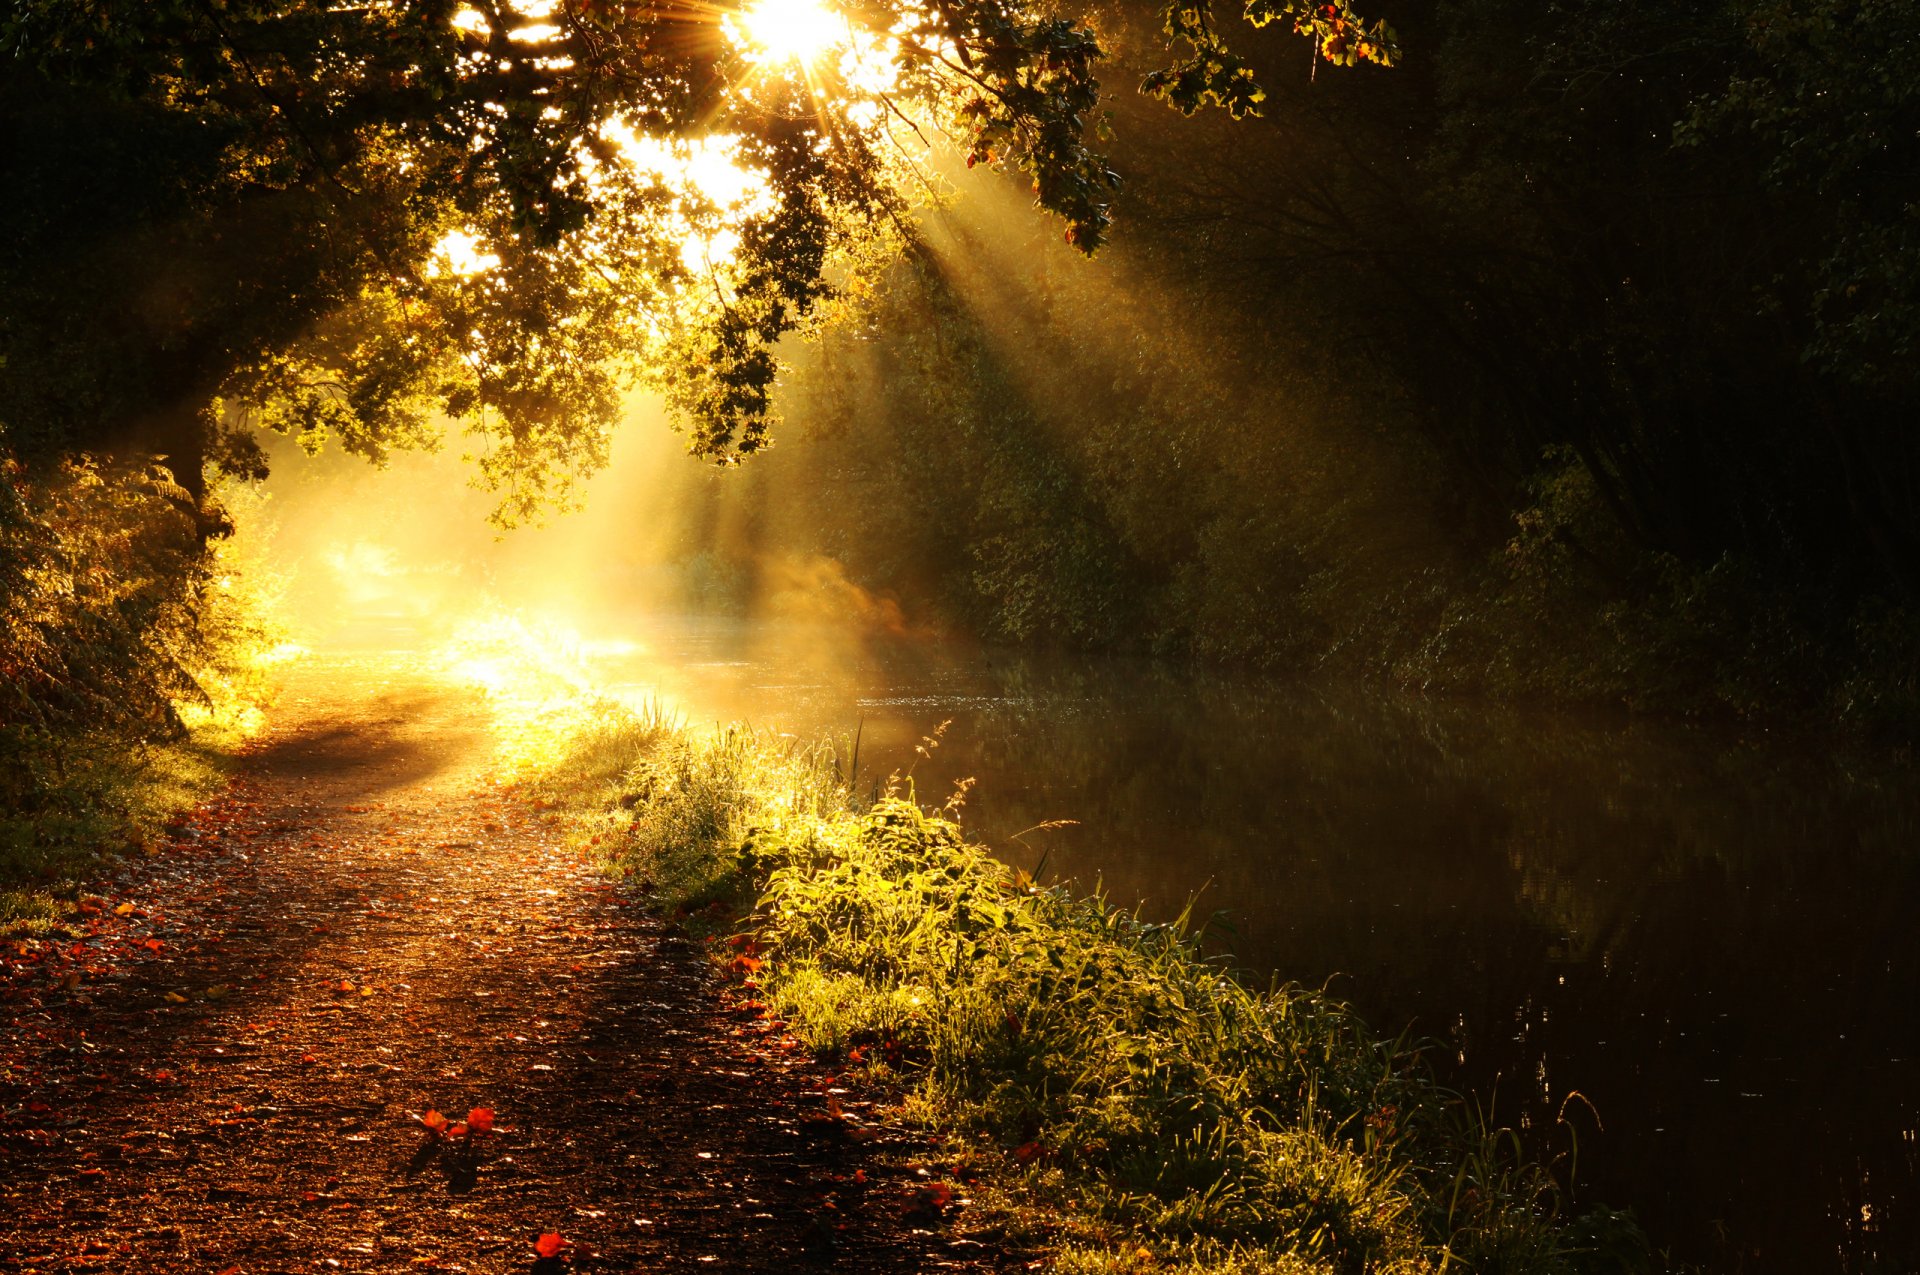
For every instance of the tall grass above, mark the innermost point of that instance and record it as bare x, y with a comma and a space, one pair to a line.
1154, 1108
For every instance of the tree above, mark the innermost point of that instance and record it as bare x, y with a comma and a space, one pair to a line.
345, 216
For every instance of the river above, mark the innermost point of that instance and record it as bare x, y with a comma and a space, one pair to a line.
1708, 937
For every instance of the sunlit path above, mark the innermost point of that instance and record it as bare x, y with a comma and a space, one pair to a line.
366, 929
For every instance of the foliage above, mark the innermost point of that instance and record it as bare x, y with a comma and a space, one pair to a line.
95, 617
1213, 75
1502, 377
254, 202
1144, 1099
131, 658
1830, 93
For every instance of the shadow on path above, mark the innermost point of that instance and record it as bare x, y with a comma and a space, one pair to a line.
366, 928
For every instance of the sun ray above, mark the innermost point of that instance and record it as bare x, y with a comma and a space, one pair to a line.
788, 31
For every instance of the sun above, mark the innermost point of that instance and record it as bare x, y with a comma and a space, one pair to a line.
789, 30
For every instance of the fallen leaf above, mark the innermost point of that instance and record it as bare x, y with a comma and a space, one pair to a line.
434, 1120
549, 1245
481, 1119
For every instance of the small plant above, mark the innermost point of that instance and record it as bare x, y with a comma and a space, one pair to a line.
455, 1145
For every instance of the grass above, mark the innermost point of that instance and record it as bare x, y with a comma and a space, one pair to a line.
1131, 1103
95, 798
137, 661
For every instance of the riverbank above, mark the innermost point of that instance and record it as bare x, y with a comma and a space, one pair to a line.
1123, 1100
233, 1055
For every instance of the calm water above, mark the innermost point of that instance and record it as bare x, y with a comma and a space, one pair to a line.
1711, 939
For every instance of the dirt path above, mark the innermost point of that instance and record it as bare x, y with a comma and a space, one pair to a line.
224, 1072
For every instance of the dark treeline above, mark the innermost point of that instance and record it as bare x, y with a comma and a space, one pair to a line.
1574, 356
1571, 356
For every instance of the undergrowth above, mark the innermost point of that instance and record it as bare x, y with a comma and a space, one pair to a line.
134, 656
1144, 1107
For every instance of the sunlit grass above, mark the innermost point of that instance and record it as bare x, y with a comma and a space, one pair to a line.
1133, 1104
538, 679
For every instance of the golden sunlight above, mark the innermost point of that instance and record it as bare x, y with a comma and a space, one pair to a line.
459, 253
788, 30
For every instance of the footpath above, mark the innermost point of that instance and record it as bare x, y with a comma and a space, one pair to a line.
366, 1013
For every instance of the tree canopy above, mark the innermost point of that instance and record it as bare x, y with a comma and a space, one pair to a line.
346, 217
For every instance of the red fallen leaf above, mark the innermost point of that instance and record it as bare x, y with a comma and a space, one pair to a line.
457, 1131
480, 1119
153, 945
1026, 1152
745, 964
434, 1120
91, 1177
939, 1194
163, 1076
549, 1245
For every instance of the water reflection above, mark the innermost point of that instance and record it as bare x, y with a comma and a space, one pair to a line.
1711, 939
